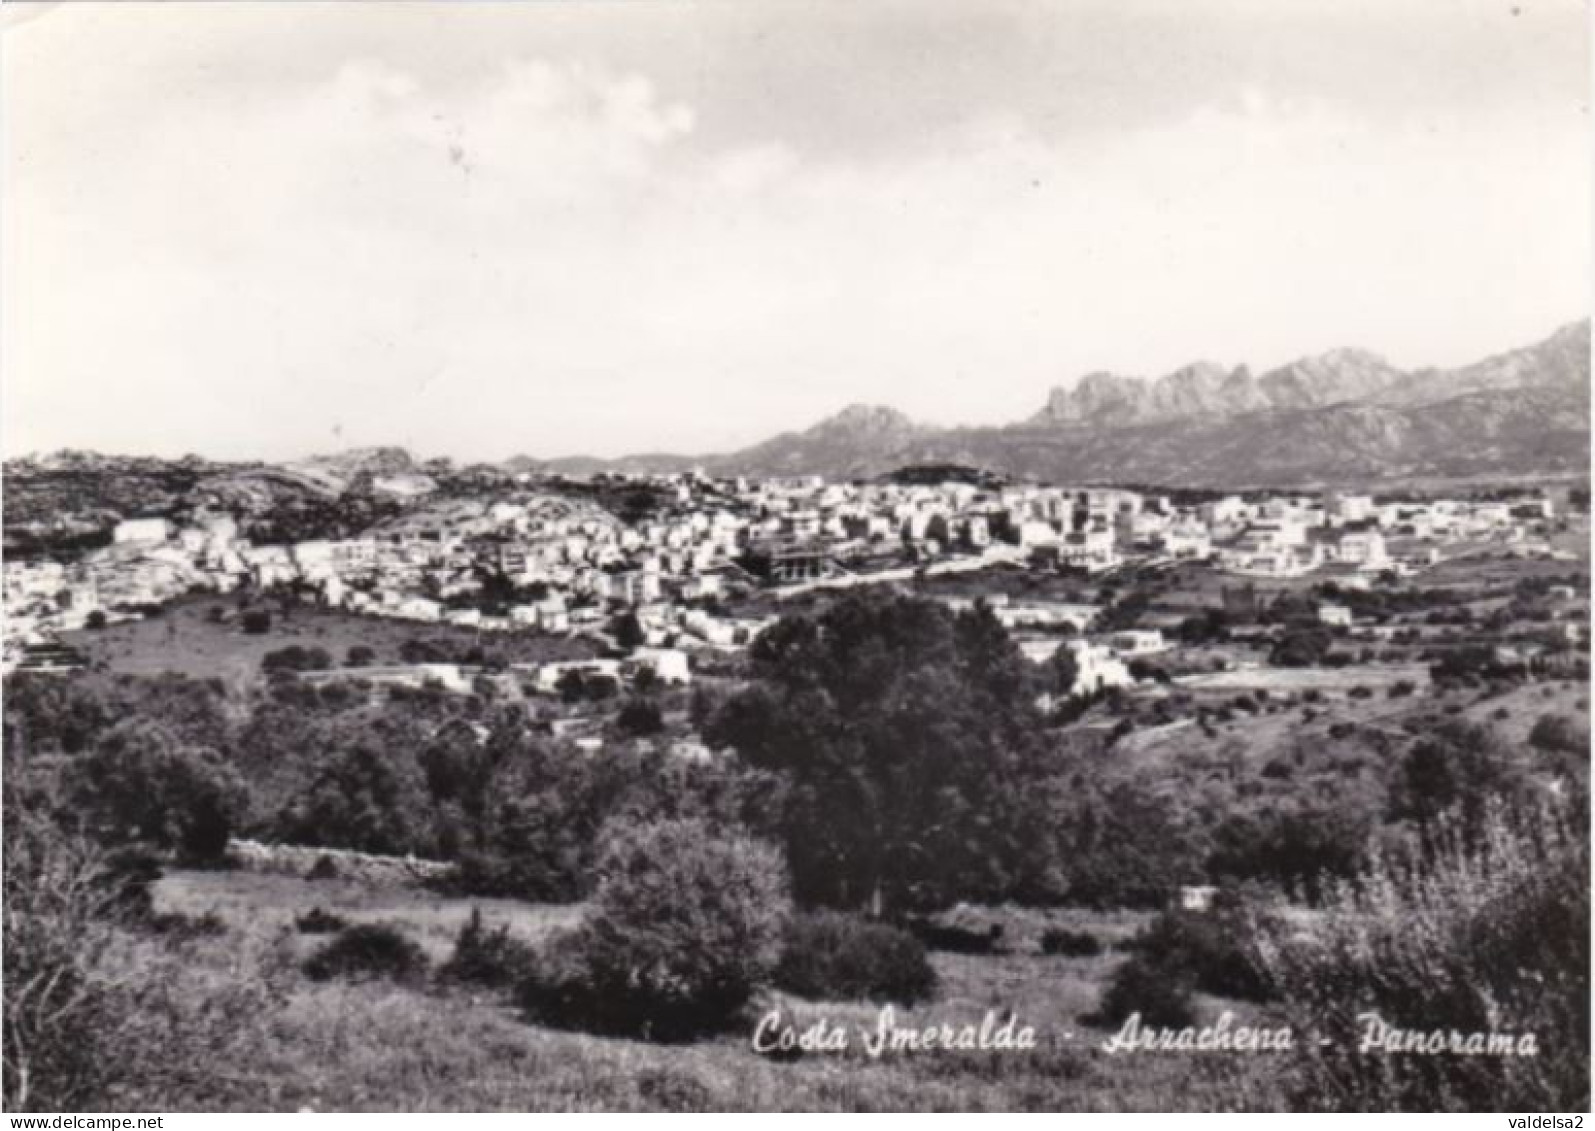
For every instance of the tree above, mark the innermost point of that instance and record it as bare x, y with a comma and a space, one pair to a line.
422, 652
368, 798
640, 716
904, 735
360, 656
1301, 648
628, 631
142, 783
1457, 765
571, 686
256, 622
1120, 845
1063, 671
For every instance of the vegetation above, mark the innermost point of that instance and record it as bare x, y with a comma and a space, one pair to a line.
684, 926
368, 950
487, 956
882, 761
319, 922
1070, 944
142, 782
904, 736
829, 956
1476, 928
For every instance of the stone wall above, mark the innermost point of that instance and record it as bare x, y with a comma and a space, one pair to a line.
342, 863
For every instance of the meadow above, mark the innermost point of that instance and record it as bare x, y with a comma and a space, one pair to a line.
185, 637
378, 1045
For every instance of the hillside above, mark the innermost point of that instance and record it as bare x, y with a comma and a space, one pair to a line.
1345, 416
1341, 416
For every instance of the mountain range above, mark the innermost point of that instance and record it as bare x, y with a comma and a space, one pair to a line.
1342, 416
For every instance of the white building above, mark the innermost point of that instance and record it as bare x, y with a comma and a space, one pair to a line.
1336, 616
669, 665
1097, 668
1138, 642
142, 531
1364, 548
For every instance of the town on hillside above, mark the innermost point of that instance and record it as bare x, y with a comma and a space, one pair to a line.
710, 565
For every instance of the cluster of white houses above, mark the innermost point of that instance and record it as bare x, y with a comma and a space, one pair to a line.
569, 565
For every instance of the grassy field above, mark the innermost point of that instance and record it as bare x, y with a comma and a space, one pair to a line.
1514, 712
1285, 681
380, 1046
268, 905
183, 638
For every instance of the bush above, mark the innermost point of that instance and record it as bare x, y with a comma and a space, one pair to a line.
1070, 944
178, 926
1161, 997
1181, 952
685, 925
828, 956
666, 1090
1212, 947
1483, 928
319, 922
368, 950
98, 1011
487, 957
295, 658
958, 939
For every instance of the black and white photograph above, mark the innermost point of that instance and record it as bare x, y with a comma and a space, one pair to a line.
795, 556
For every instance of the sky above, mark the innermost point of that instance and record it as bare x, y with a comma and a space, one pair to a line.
479, 230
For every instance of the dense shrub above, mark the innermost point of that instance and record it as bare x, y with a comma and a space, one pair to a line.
1070, 944
99, 1012
1162, 997
1184, 951
957, 938
1214, 946
1559, 734
486, 956
668, 1090
1483, 928
828, 956
368, 950
684, 926
295, 658
319, 922
179, 926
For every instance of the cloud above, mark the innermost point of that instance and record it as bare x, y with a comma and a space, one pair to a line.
547, 255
